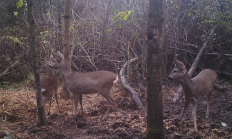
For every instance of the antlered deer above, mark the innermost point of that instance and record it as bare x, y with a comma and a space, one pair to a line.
195, 88
85, 83
49, 84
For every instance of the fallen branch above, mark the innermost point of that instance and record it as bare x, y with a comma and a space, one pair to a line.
219, 87
7, 69
225, 73
135, 97
194, 65
188, 45
218, 54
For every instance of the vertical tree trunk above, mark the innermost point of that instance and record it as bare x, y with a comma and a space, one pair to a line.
66, 42
154, 71
39, 100
59, 26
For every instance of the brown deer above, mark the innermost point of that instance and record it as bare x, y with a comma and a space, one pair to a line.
49, 84
85, 83
195, 88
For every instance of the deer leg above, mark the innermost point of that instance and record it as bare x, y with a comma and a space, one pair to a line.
49, 108
47, 98
80, 99
186, 103
56, 97
194, 113
76, 98
208, 104
111, 100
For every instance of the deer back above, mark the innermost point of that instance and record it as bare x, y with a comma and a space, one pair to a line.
90, 82
204, 82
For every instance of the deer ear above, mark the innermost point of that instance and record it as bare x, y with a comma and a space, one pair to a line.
61, 55
46, 62
57, 56
43, 63
180, 64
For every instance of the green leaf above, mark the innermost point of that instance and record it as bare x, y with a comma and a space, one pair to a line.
126, 17
16, 13
131, 12
115, 18
119, 25
189, 14
19, 4
223, 124
48, 13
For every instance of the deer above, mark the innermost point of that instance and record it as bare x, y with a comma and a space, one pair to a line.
85, 83
49, 84
195, 88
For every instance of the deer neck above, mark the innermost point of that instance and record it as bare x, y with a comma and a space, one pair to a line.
186, 84
49, 72
64, 71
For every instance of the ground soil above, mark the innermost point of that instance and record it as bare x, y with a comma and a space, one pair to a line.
18, 117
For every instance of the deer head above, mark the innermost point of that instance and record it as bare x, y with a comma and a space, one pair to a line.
58, 61
178, 71
44, 66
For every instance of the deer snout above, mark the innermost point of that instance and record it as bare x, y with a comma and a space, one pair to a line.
170, 77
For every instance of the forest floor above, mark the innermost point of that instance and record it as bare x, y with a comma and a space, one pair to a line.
18, 117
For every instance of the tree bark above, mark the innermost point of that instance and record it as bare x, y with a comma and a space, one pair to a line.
194, 65
154, 71
134, 94
39, 100
66, 53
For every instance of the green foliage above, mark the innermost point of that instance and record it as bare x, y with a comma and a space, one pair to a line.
123, 15
19, 4
45, 35
226, 81
223, 124
16, 13
10, 86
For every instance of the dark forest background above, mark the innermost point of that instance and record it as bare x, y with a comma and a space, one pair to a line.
104, 34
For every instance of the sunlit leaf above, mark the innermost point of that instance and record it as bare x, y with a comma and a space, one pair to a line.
16, 13
19, 4
125, 17
71, 28
223, 124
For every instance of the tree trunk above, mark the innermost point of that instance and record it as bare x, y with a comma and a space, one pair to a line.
154, 71
59, 26
39, 100
194, 65
66, 42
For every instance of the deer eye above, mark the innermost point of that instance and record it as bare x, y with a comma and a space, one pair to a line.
175, 71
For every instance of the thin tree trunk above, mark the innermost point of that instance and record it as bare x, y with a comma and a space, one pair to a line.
59, 26
66, 42
194, 65
39, 100
154, 71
